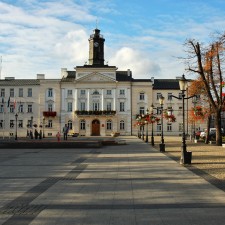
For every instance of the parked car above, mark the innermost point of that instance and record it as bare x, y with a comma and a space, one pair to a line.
203, 135
73, 134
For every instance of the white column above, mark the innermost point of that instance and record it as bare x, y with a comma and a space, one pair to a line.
76, 100
128, 100
102, 99
88, 99
63, 99
114, 99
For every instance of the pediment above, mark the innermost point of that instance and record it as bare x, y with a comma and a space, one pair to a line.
96, 77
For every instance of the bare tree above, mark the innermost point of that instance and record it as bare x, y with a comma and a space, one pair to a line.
207, 62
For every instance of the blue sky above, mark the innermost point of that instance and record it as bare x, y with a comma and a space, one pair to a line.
145, 36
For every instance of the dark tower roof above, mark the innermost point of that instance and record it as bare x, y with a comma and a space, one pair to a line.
166, 84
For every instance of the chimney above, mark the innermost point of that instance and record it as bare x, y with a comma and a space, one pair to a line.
64, 72
152, 79
40, 76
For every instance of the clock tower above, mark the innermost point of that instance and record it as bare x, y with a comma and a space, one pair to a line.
96, 49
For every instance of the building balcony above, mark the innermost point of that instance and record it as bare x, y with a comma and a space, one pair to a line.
49, 114
95, 112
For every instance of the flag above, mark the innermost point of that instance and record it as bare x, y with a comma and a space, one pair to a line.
14, 104
8, 102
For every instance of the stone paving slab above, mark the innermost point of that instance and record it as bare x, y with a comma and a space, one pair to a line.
133, 184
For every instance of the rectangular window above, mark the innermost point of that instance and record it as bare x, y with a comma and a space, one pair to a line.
20, 123
142, 96
158, 128
11, 123
82, 125
2, 92
82, 106
109, 125
122, 92
108, 92
122, 106
159, 110
70, 93
11, 108
50, 123
1, 124
95, 106
158, 95
20, 92
169, 127
69, 107
142, 110
20, 109
11, 92
50, 107
82, 92
109, 106
29, 92
169, 96
2, 108
29, 109
50, 92
122, 125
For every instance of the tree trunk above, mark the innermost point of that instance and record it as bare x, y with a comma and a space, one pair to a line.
218, 127
208, 127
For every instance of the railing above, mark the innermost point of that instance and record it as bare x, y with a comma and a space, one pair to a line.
49, 114
95, 112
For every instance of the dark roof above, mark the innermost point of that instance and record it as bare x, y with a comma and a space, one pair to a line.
141, 80
19, 82
163, 84
123, 76
95, 66
71, 74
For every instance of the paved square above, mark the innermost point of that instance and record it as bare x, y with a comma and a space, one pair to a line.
131, 184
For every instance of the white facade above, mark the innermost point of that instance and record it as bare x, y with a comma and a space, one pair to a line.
94, 99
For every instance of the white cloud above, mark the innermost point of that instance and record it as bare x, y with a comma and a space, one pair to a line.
128, 58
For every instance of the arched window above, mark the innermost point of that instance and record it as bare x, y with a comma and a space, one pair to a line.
82, 125
70, 125
122, 125
109, 125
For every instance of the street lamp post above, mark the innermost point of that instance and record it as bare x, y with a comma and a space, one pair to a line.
162, 145
183, 86
16, 116
43, 127
185, 156
194, 102
31, 124
152, 117
143, 131
146, 121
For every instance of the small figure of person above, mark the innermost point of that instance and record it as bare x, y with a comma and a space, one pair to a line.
58, 136
36, 134
40, 134
65, 132
31, 134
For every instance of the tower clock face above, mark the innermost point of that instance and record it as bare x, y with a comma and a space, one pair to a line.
96, 44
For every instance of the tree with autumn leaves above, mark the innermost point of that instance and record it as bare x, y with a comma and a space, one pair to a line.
207, 62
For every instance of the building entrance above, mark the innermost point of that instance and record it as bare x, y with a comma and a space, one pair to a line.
95, 128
